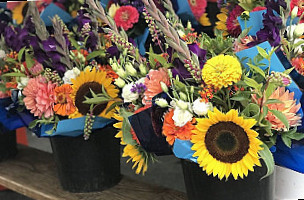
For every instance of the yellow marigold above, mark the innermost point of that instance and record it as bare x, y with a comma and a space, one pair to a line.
222, 71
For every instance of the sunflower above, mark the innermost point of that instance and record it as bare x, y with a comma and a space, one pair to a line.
94, 80
222, 71
225, 144
136, 153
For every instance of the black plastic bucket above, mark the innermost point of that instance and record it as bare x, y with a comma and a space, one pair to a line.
88, 166
8, 144
200, 186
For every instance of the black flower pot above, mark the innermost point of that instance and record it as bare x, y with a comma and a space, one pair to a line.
88, 166
200, 186
8, 144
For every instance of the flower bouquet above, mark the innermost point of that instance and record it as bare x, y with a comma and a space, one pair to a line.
68, 89
220, 110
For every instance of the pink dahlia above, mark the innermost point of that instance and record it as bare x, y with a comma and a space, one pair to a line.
288, 107
126, 17
152, 82
233, 26
198, 7
39, 97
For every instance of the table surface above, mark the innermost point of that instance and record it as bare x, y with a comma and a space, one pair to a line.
33, 173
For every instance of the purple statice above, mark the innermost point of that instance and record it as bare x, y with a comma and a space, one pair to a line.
138, 88
272, 23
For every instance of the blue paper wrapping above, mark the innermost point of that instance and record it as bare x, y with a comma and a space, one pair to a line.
141, 40
292, 158
51, 10
276, 65
73, 127
9, 119
255, 21
182, 149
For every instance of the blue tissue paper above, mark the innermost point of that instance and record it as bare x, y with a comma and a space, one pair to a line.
51, 10
182, 149
9, 118
73, 127
255, 21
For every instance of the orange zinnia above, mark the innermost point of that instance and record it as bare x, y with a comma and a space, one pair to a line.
64, 103
172, 132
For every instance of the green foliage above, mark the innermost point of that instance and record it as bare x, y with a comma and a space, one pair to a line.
126, 127
266, 155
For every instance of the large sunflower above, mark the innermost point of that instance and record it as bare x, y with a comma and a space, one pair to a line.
95, 80
225, 144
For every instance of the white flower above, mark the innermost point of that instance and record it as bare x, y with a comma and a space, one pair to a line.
200, 108
181, 117
299, 49
161, 102
128, 95
2, 54
22, 82
70, 74
112, 10
298, 31
290, 31
120, 82
294, 12
141, 80
130, 69
182, 105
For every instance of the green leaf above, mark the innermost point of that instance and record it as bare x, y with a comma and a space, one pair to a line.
252, 83
251, 110
286, 140
13, 74
281, 117
270, 89
126, 127
287, 71
256, 69
272, 101
97, 100
94, 54
29, 60
33, 124
20, 54
266, 155
262, 52
294, 135
239, 98
112, 106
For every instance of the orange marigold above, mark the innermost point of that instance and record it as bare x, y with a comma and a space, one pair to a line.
64, 105
172, 132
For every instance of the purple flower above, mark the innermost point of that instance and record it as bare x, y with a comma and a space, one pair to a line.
16, 38
201, 53
138, 88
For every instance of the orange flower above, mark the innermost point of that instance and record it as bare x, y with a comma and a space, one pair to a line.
109, 70
64, 103
172, 132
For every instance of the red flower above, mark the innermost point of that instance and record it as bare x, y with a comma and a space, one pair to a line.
300, 4
198, 7
258, 8
126, 17
233, 26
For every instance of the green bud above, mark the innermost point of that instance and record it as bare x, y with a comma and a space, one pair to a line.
143, 69
164, 87
183, 96
130, 69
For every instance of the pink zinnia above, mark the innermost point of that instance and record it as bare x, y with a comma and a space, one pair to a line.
126, 17
152, 82
198, 7
300, 4
39, 97
233, 26
259, 8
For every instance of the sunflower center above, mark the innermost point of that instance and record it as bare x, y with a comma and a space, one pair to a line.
84, 91
227, 142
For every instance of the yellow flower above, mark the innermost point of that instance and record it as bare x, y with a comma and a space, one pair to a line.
225, 144
222, 71
17, 12
93, 80
112, 10
204, 20
136, 153
221, 24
